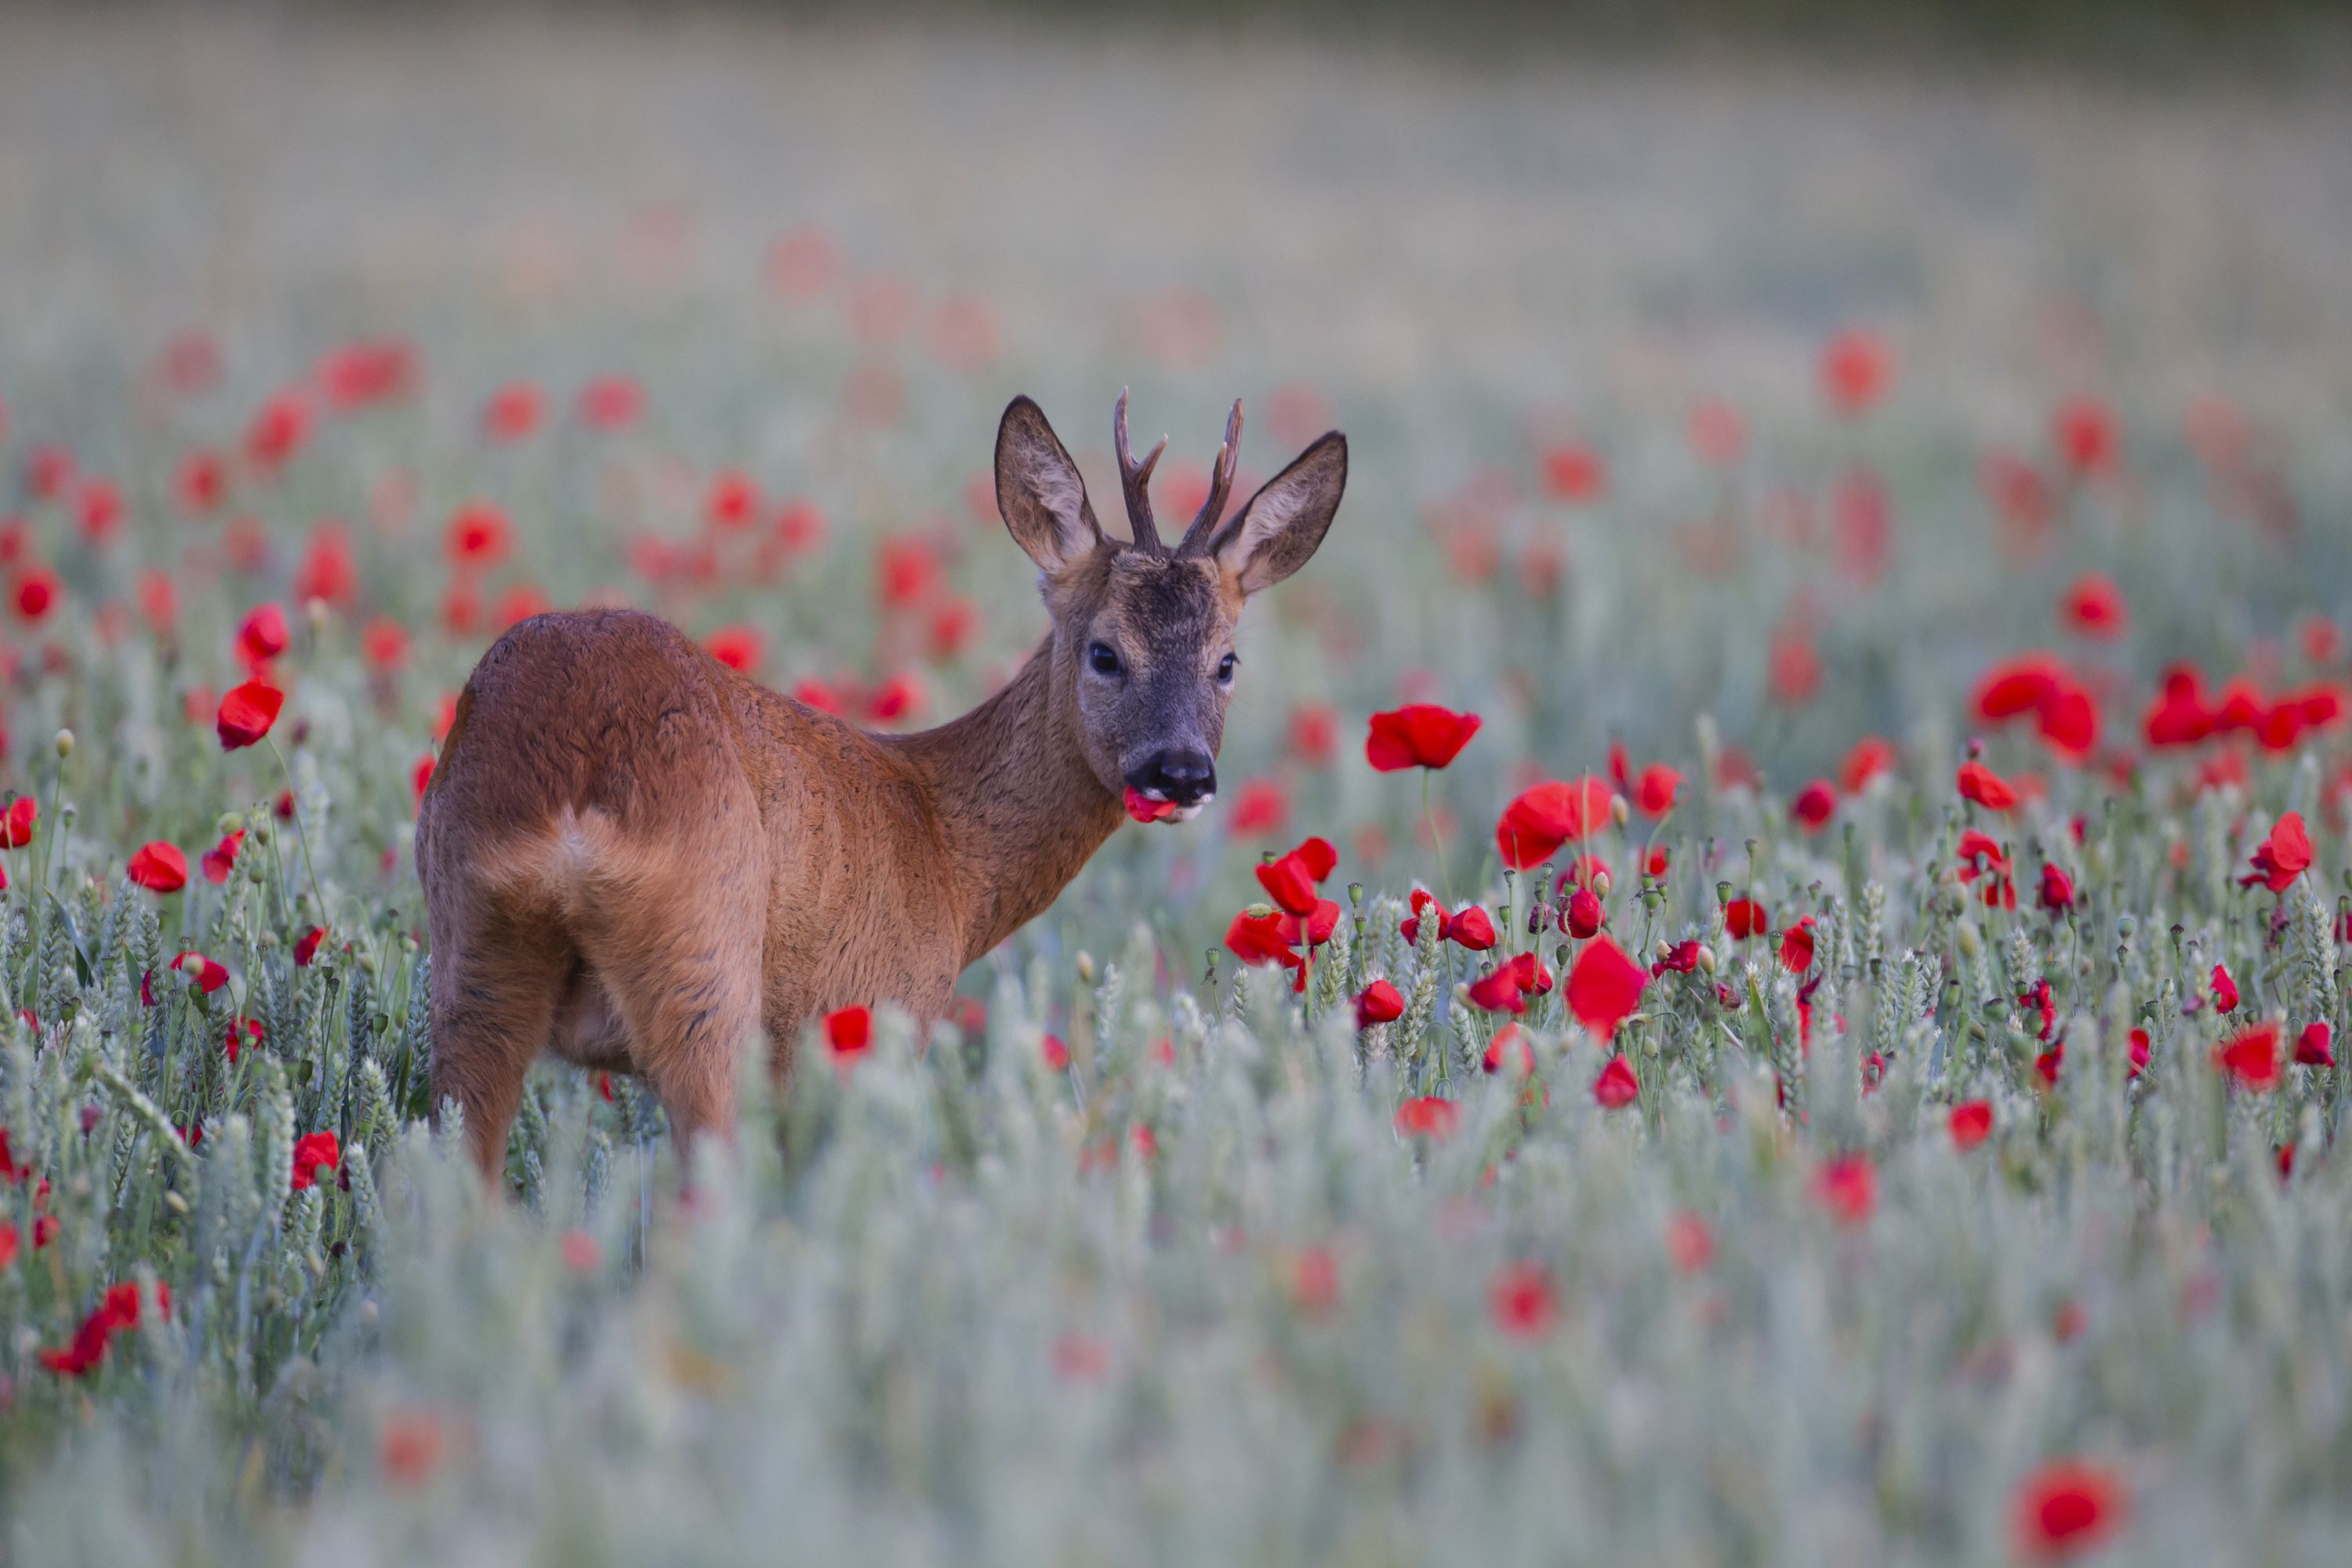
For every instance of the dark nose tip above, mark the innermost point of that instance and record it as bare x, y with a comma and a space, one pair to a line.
1185, 777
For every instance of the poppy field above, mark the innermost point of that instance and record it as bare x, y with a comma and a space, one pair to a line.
1764, 982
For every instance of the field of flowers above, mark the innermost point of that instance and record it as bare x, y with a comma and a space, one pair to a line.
1765, 984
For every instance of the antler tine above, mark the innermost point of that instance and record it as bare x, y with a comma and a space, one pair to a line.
1221, 486
1135, 481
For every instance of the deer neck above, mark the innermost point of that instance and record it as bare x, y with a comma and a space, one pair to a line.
1019, 810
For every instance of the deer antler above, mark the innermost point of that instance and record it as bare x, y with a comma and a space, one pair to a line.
1221, 486
1135, 480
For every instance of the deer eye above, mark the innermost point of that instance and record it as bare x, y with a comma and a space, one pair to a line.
1225, 667
1103, 658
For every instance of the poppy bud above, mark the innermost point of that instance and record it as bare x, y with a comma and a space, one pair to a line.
1601, 883
317, 610
1619, 812
228, 822
1706, 958
65, 743
1086, 966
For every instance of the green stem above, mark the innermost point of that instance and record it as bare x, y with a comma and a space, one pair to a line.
1437, 842
294, 797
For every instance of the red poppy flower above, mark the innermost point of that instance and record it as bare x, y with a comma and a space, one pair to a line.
2315, 1048
1616, 1088
2094, 606
17, 823
1470, 927
1505, 989
1793, 666
306, 946
1797, 946
2180, 716
2084, 432
1509, 1048
210, 976
2025, 684
312, 1151
2067, 1508
1971, 1122
1848, 1188
1260, 809
160, 867
1680, 959
1654, 794
611, 403
203, 482
1289, 879
1055, 1053
1312, 929
38, 589
1140, 806
278, 431
1418, 735
737, 647
1314, 733
1582, 917
246, 714
1254, 936
384, 643
1521, 1297
2225, 990
261, 636
479, 534
1744, 918
1856, 368
1551, 813
2250, 1057
1428, 1117
221, 858
2283, 857
731, 501
1717, 432
242, 1031
1987, 788
849, 1031
1573, 473
1378, 1003
1604, 985
2057, 894
512, 412
1815, 806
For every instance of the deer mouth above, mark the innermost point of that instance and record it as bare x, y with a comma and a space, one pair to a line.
1150, 805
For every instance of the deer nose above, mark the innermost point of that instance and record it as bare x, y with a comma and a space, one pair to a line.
1186, 777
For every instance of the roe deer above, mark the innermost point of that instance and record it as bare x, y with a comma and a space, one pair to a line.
637, 857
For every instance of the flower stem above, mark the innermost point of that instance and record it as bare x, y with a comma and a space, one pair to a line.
1429, 816
294, 796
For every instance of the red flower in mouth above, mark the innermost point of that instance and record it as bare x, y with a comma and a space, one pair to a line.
246, 714
1378, 1003
1604, 985
1549, 815
159, 868
2066, 1508
1144, 808
1418, 735
1289, 879
1987, 788
849, 1031
2283, 857
312, 1151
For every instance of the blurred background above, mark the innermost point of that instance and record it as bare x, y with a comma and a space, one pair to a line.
717, 307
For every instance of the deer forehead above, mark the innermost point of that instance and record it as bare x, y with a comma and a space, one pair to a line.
1165, 605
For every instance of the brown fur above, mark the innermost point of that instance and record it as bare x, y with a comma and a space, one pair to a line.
637, 858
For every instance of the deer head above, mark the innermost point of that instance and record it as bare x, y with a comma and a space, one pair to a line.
1143, 634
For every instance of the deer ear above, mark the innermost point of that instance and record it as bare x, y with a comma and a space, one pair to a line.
1272, 535
1039, 493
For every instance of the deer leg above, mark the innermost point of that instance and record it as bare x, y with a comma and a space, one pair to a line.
682, 965
494, 990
